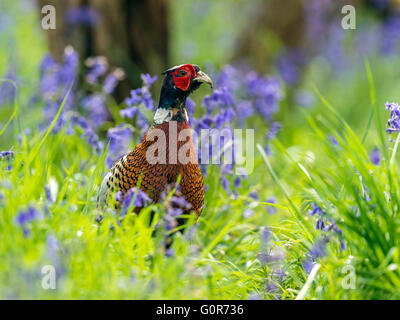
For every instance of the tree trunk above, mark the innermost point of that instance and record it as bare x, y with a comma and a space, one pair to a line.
284, 19
131, 34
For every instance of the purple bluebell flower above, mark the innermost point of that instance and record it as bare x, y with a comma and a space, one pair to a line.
170, 222
238, 182
180, 202
220, 98
267, 150
333, 50
271, 286
48, 194
323, 224
317, 18
393, 124
141, 199
147, 99
375, 156
190, 105
70, 66
315, 210
254, 195
53, 247
226, 169
49, 70
128, 112
342, 245
265, 235
176, 206
391, 35
248, 213
366, 195
52, 243
141, 96
119, 196
255, 296
317, 251
271, 209
25, 217
135, 97
320, 225
333, 140
263, 258
89, 134
97, 67
289, 65
7, 156
95, 105
225, 184
148, 80
265, 92
84, 15
333, 227
280, 272
120, 137
324, 36
54, 84
111, 81
229, 78
169, 252
273, 130
244, 110
142, 123
174, 212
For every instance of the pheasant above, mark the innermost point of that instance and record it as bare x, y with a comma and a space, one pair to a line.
163, 155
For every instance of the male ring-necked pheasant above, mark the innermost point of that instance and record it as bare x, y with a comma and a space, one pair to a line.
139, 167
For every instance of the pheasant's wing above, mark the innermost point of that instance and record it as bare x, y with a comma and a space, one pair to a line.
130, 171
192, 186
152, 178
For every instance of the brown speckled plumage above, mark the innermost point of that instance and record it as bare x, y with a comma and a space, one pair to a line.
126, 173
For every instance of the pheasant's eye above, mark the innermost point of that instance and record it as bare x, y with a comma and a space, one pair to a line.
182, 72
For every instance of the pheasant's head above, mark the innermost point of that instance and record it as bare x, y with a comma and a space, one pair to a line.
179, 82
186, 78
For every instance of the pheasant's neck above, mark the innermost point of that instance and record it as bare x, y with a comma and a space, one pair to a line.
173, 129
171, 106
178, 114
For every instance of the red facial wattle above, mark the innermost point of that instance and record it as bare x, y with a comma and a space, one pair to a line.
182, 81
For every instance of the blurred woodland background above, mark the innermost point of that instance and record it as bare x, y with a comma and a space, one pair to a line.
146, 36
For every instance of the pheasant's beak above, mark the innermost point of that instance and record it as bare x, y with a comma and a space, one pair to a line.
202, 77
